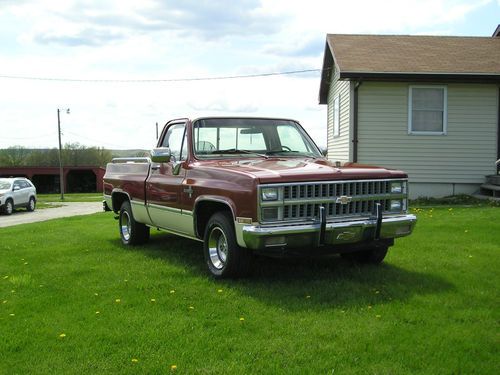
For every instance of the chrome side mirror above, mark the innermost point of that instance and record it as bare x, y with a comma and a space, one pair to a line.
161, 155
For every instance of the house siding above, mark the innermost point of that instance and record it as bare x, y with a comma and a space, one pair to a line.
463, 156
338, 147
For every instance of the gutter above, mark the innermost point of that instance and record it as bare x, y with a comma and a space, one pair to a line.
355, 139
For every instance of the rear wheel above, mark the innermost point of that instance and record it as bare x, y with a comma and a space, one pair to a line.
31, 204
131, 232
373, 255
223, 256
8, 207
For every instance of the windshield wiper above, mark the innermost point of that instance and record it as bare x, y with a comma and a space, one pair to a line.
238, 151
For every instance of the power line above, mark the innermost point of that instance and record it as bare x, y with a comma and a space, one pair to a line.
185, 79
92, 140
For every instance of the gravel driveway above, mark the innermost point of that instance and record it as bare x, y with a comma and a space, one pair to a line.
69, 209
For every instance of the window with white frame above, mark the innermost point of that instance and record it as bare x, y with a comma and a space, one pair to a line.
336, 116
427, 110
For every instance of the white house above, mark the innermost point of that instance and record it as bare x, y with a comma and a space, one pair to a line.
428, 105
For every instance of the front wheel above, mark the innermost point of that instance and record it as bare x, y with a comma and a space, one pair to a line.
223, 256
31, 204
131, 232
8, 207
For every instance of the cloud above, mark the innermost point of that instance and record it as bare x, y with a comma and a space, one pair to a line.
291, 48
86, 37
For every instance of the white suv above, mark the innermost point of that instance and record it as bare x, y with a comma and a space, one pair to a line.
16, 192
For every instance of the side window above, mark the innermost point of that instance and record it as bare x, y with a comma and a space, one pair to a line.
427, 110
336, 116
17, 184
175, 139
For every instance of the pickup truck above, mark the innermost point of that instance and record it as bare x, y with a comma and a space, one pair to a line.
246, 186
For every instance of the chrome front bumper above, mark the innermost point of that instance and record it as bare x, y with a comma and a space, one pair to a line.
337, 233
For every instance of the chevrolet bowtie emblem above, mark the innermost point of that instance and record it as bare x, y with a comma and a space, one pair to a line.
344, 199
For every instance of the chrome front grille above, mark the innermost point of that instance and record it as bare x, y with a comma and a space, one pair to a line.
336, 189
302, 201
311, 211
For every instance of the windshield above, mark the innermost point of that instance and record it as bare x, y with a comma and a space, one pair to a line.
215, 138
4, 185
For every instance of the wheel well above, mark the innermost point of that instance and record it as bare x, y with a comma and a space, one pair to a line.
117, 200
204, 210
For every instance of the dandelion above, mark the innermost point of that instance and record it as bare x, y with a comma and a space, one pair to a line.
369, 307
308, 296
4, 301
191, 307
242, 319
12, 291
172, 291
465, 231
378, 316
62, 335
118, 300
377, 292
25, 263
135, 360
173, 367
125, 280
153, 300
12, 314
219, 291
470, 256
97, 312
96, 294
450, 209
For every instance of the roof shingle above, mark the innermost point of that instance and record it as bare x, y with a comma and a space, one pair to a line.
415, 54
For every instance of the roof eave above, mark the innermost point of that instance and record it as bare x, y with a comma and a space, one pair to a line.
326, 72
422, 77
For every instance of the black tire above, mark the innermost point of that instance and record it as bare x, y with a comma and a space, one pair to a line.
131, 232
373, 255
31, 204
8, 207
223, 256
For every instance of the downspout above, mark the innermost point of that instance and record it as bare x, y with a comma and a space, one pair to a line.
498, 132
355, 123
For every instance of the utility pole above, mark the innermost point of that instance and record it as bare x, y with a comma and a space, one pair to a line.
61, 172
157, 131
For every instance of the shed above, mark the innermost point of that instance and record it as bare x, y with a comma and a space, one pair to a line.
428, 105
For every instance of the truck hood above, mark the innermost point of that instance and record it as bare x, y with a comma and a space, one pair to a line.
278, 170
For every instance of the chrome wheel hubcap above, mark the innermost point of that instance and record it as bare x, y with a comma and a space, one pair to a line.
9, 207
125, 226
32, 205
217, 248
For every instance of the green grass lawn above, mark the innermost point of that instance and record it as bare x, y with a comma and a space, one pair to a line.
73, 300
71, 197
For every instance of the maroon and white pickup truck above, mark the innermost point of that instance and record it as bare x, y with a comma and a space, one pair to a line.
256, 185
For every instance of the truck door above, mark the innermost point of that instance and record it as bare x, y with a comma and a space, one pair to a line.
164, 186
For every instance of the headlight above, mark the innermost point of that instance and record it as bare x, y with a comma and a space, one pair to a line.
396, 206
396, 187
269, 194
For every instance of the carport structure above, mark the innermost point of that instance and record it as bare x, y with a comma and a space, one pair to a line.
85, 179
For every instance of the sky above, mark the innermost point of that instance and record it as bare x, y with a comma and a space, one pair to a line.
155, 40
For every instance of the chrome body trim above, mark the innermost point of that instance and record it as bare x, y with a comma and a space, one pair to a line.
172, 219
336, 233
